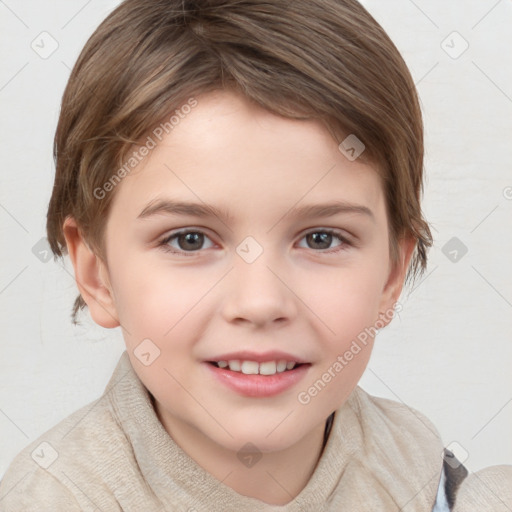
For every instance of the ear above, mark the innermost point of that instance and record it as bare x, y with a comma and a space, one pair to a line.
91, 275
396, 278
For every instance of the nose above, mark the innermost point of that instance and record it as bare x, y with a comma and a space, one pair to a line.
258, 293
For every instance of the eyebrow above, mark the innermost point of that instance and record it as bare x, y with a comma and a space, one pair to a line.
170, 207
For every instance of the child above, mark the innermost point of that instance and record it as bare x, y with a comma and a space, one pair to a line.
255, 130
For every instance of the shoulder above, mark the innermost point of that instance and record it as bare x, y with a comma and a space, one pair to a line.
486, 490
32, 490
398, 419
54, 468
400, 447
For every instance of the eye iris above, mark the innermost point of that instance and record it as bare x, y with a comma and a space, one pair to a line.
194, 239
324, 239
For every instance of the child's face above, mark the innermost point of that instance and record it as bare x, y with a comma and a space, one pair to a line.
306, 296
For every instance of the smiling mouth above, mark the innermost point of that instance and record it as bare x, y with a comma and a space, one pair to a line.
258, 379
255, 368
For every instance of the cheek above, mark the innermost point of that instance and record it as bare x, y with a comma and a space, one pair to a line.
151, 299
347, 300
349, 309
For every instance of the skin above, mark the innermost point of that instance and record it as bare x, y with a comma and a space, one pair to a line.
298, 296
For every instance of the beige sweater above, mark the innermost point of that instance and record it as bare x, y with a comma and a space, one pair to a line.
115, 455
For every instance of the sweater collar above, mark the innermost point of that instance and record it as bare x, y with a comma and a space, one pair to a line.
368, 450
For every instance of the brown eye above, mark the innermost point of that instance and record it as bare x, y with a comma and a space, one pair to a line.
190, 241
185, 241
320, 240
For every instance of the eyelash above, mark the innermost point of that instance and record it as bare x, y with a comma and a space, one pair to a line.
345, 243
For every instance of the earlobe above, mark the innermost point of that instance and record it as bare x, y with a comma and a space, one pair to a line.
91, 275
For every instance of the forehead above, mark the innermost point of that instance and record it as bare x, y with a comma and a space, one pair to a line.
231, 152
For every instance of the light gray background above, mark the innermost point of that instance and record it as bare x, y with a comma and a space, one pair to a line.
449, 354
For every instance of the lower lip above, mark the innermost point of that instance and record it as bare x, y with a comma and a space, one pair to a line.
259, 385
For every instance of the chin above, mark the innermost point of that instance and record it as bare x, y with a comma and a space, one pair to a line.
265, 439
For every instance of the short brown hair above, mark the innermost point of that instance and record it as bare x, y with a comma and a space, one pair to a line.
308, 59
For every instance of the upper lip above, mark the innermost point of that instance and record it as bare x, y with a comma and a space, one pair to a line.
259, 357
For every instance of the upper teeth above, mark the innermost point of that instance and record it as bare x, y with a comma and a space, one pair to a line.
253, 368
